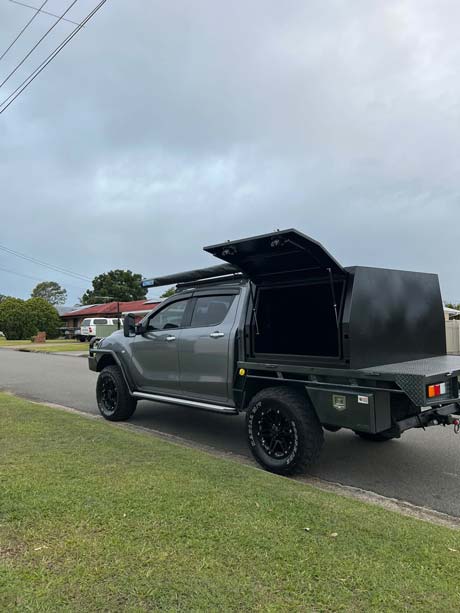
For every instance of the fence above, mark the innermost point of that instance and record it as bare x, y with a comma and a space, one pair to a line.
453, 336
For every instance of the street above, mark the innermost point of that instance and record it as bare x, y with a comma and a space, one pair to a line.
423, 467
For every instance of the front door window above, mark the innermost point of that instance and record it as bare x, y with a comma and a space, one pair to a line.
168, 318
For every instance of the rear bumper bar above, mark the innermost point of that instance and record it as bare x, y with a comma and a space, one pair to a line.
428, 417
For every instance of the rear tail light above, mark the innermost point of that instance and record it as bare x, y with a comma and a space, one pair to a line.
438, 389
90, 330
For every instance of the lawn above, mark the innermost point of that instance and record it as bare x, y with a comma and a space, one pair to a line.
6, 343
100, 518
50, 345
58, 347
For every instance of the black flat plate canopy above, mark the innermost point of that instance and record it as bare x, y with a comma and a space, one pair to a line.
284, 252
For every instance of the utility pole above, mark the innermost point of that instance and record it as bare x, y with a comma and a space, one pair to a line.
118, 308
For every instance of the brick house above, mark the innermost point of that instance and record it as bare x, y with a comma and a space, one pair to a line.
72, 319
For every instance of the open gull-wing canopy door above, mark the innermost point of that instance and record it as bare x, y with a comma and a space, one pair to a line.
268, 257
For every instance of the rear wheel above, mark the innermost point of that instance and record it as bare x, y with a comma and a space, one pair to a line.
113, 398
376, 437
284, 433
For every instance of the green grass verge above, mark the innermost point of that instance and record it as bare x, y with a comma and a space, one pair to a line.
60, 341
97, 518
49, 347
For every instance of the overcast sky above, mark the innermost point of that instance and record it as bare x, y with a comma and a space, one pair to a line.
166, 126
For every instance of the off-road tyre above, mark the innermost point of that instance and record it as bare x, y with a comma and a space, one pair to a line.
114, 401
378, 437
284, 432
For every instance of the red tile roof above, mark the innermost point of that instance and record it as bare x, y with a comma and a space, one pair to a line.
110, 308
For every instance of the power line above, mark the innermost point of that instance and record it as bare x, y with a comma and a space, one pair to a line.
45, 264
59, 269
37, 11
41, 11
33, 75
40, 279
36, 44
20, 274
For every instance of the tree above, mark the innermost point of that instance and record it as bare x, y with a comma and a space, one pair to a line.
169, 292
50, 291
120, 285
43, 317
15, 320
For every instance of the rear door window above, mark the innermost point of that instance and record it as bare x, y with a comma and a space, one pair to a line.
210, 310
86, 322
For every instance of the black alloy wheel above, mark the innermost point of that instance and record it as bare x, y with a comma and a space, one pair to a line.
108, 395
284, 432
275, 432
113, 396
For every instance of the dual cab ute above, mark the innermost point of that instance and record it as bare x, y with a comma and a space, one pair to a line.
283, 332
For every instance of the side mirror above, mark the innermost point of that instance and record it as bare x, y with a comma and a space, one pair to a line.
129, 325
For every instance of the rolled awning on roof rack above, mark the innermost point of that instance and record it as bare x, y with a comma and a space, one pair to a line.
192, 275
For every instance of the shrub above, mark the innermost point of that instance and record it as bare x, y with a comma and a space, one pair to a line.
15, 320
22, 319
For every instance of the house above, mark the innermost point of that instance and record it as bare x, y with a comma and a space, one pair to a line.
450, 314
72, 319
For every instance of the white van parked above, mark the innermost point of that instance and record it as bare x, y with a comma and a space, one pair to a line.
98, 327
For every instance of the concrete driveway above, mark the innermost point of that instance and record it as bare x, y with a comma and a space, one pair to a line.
423, 467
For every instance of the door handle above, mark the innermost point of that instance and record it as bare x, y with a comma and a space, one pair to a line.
217, 334
170, 338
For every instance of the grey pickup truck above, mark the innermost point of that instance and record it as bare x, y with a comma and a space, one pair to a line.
285, 333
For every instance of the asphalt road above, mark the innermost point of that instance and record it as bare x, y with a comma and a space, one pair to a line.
423, 467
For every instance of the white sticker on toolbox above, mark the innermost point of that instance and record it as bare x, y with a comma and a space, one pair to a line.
363, 399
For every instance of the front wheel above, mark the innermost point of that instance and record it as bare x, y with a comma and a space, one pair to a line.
284, 432
114, 401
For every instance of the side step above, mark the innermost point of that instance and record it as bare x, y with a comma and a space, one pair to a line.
206, 406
